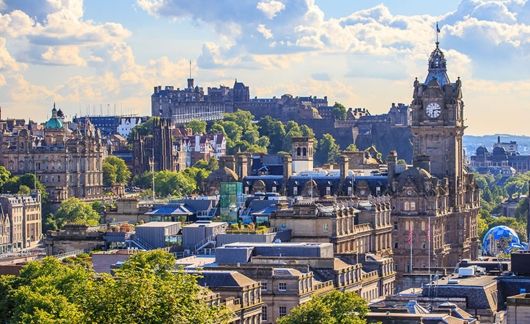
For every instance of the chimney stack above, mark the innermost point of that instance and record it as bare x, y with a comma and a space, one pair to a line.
343, 164
423, 162
242, 165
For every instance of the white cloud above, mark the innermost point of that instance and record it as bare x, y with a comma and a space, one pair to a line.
264, 31
270, 8
63, 55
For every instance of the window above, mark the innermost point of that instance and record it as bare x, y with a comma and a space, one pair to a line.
282, 286
263, 313
396, 245
325, 227
295, 191
283, 311
263, 286
395, 225
328, 191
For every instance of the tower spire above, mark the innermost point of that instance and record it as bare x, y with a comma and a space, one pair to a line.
437, 35
190, 69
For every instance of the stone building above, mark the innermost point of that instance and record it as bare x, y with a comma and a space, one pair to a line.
20, 222
435, 202
239, 293
69, 163
504, 155
159, 150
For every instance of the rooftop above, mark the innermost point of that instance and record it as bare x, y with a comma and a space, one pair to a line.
206, 224
158, 224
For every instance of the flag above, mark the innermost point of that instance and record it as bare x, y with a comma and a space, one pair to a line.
409, 240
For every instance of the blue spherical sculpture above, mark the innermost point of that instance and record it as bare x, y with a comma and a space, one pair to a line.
501, 239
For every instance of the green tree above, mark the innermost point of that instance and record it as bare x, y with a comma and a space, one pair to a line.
109, 174
339, 111
327, 150
313, 312
213, 164
351, 148
4, 175
197, 126
335, 307
24, 190
115, 171
169, 183
275, 131
143, 129
146, 289
75, 211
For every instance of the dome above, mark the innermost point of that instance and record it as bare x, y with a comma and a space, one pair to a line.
54, 123
501, 239
437, 68
481, 150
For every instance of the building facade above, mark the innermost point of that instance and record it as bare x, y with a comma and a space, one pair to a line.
68, 163
20, 222
435, 202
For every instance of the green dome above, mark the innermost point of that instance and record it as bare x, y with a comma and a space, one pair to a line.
54, 123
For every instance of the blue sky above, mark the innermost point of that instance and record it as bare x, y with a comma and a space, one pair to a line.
91, 54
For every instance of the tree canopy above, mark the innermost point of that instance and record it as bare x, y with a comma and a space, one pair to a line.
339, 111
242, 134
74, 211
327, 150
336, 307
170, 183
146, 289
115, 171
197, 126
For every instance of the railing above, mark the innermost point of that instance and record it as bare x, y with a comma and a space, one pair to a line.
69, 254
202, 244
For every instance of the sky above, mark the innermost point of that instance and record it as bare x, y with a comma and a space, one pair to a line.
101, 56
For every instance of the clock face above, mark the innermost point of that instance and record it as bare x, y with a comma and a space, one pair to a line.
433, 110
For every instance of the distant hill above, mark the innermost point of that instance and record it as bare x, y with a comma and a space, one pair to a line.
471, 142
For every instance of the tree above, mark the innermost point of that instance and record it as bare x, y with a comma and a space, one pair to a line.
146, 289
142, 129
275, 131
335, 307
109, 174
327, 150
339, 111
4, 175
213, 164
75, 211
351, 148
197, 126
313, 312
24, 190
170, 183
115, 171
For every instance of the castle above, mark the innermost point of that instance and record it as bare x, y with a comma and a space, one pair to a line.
433, 203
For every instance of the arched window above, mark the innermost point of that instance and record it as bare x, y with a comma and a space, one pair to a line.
304, 151
298, 151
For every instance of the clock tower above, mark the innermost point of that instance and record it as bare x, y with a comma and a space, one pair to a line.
438, 125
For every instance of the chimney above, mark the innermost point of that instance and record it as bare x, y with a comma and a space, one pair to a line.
228, 161
423, 162
190, 83
287, 167
391, 161
343, 164
242, 165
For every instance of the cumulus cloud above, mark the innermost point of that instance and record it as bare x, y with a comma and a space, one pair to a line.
270, 8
